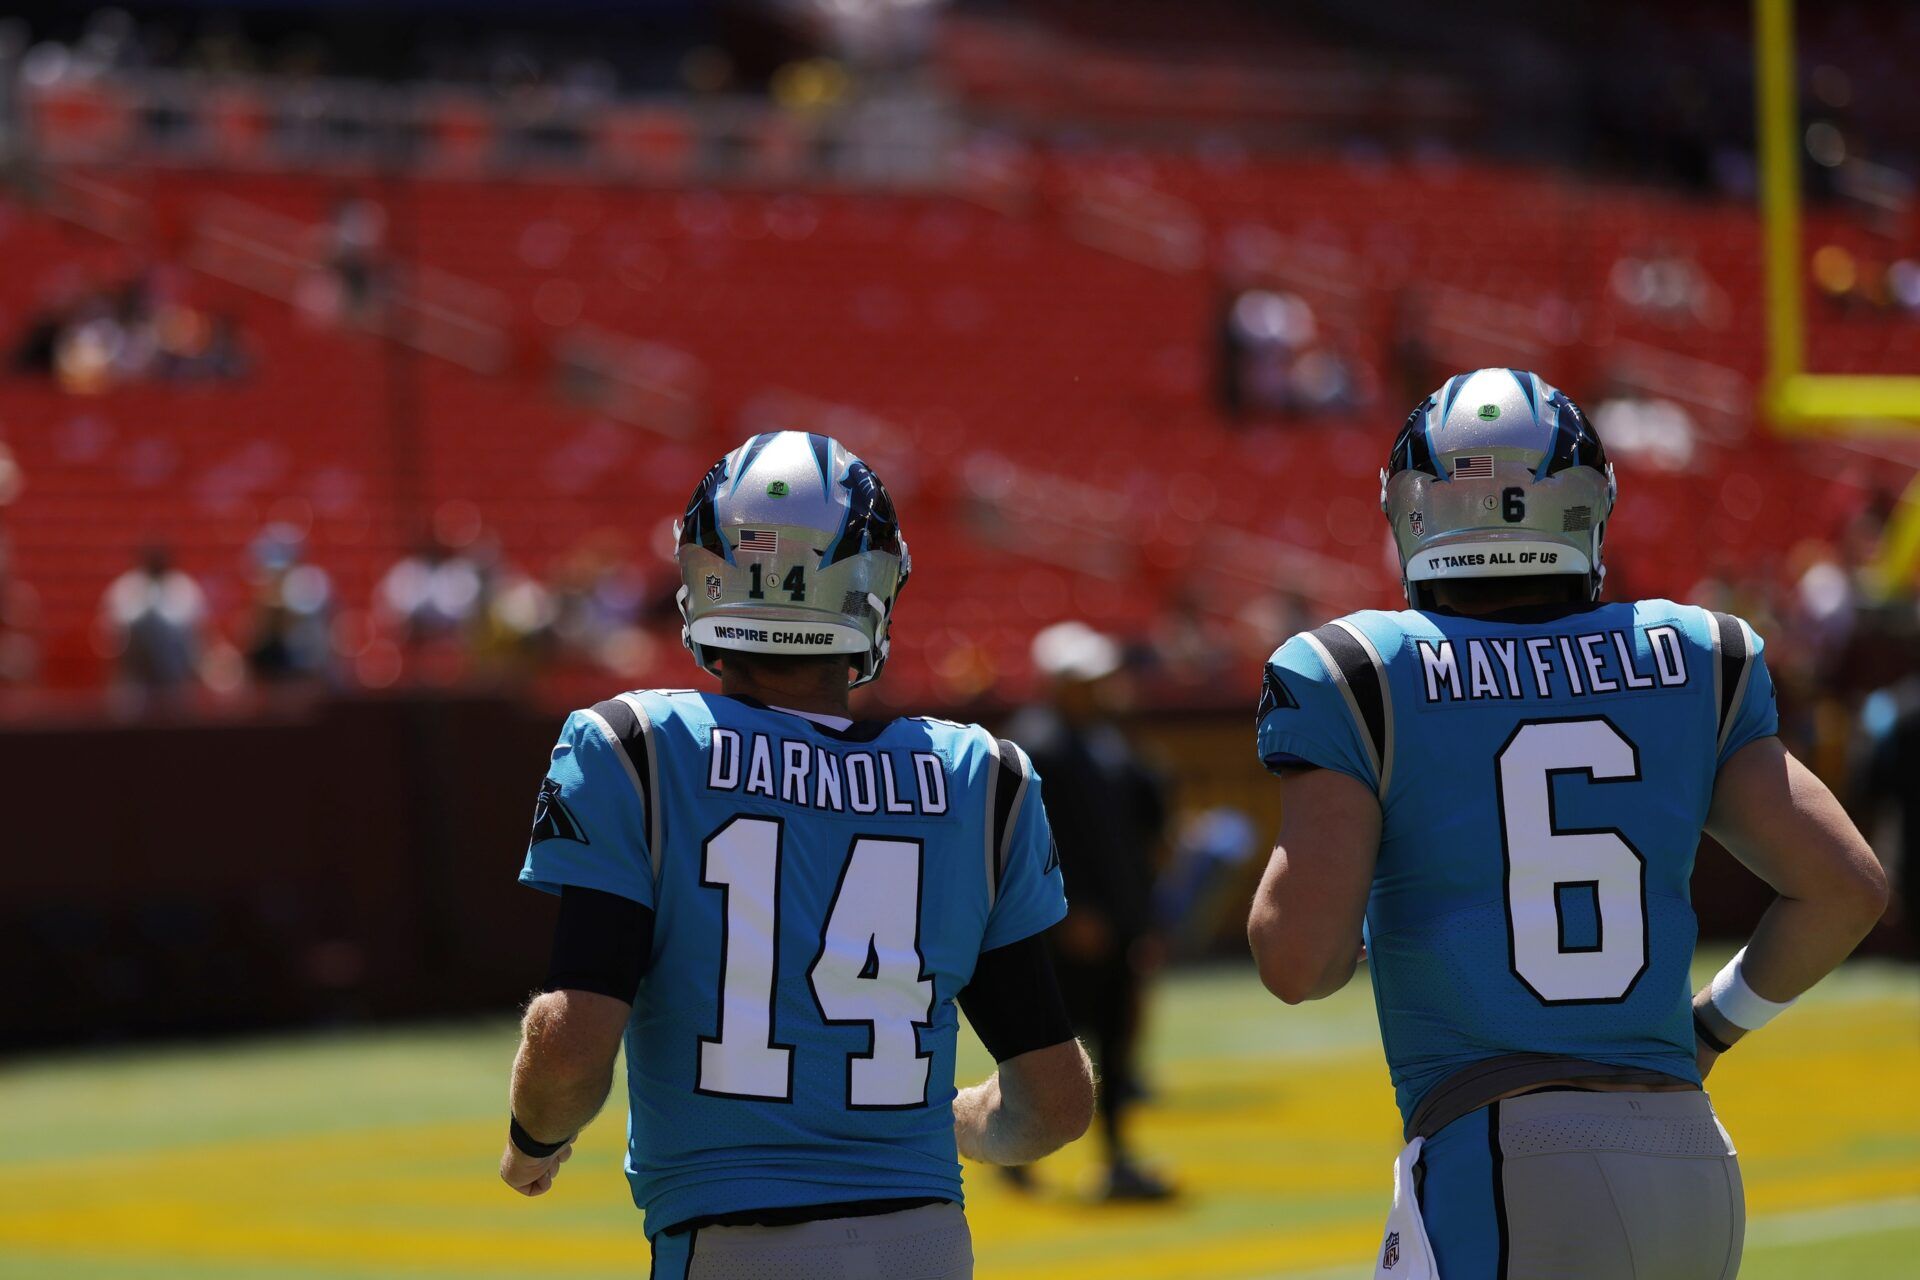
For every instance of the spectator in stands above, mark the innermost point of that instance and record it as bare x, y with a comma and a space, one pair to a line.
19, 625
200, 347
513, 619
1410, 349
154, 616
1229, 377
292, 611
140, 327
1189, 644
433, 595
12, 479
1273, 359
601, 602
90, 347
1109, 812
35, 350
356, 256
1669, 286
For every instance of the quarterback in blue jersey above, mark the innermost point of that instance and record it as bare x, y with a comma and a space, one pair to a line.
1501, 791
776, 908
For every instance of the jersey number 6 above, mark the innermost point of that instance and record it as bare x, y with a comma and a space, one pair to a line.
869, 970
1558, 878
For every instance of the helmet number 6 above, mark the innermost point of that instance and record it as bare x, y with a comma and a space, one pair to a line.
1513, 505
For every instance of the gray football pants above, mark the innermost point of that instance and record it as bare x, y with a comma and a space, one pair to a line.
928, 1243
1572, 1185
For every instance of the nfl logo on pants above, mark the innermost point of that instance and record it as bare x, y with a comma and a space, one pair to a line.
1391, 1254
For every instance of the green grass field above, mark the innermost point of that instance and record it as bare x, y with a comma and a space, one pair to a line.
371, 1154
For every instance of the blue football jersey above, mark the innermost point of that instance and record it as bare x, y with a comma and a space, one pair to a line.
820, 898
1543, 784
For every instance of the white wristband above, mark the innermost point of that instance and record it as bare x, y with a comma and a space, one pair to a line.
1739, 1003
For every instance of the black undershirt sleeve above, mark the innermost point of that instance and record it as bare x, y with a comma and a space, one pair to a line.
1014, 999
603, 943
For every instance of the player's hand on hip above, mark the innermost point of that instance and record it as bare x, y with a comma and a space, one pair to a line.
532, 1175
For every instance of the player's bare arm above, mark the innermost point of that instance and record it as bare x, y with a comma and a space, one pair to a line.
1032, 1106
1305, 924
1782, 822
569, 1041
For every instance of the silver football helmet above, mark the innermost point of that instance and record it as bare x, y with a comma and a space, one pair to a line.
1497, 474
790, 545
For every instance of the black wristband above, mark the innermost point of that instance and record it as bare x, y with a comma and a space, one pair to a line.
1707, 1037
527, 1144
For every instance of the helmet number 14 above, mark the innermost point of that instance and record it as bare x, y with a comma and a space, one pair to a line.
794, 584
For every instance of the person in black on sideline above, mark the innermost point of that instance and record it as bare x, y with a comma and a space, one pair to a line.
1110, 812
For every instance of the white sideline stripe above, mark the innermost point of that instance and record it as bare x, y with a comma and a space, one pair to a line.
1863, 1217
1774, 1231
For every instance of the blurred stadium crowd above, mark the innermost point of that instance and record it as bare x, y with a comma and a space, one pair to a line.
1314, 323
377, 352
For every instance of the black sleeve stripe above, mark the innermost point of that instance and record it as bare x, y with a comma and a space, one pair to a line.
626, 722
1736, 659
633, 740
1009, 790
1362, 679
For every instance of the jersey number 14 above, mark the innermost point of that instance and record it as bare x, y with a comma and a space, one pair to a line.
868, 971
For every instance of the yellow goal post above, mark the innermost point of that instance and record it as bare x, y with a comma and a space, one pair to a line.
1795, 399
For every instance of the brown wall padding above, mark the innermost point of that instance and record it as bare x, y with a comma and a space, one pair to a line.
356, 861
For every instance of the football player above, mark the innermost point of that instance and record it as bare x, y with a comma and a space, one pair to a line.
777, 906
1503, 787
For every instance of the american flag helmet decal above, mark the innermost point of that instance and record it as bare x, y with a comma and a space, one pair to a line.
763, 542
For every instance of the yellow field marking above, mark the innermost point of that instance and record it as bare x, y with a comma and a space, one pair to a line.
195, 1232
1835, 1222
1286, 1167
1183, 1259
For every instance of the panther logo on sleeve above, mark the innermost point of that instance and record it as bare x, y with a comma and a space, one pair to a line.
1274, 695
552, 820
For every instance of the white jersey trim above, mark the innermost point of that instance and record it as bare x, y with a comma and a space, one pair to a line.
1353, 707
1384, 766
656, 827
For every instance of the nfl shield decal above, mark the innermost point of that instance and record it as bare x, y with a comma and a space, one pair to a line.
1391, 1254
713, 586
